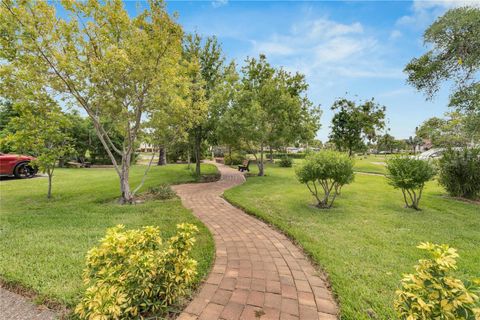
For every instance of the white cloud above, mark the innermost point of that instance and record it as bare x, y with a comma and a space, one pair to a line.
219, 3
323, 48
424, 12
395, 34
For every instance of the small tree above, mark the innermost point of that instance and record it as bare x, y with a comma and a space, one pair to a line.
328, 170
41, 130
409, 175
460, 172
432, 293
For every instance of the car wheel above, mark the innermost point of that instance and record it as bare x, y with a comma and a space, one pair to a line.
24, 170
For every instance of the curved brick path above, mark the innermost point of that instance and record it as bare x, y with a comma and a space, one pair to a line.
258, 272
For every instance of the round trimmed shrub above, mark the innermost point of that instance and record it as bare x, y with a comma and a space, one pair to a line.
285, 162
326, 171
409, 175
460, 172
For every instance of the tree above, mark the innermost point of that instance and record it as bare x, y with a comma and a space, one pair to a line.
7, 113
272, 106
386, 143
209, 57
454, 56
446, 132
328, 170
414, 141
352, 124
98, 59
40, 129
409, 175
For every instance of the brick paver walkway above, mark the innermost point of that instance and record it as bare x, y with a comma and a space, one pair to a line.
258, 273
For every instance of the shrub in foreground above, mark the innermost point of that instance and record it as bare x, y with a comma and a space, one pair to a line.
326, 171
432, 293
132, 274
285, 162
409, 175
460, 172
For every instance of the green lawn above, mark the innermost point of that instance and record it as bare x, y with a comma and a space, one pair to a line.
367, 241
43, 243
371, 164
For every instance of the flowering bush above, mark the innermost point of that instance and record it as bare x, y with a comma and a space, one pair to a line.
431, 293
132, 274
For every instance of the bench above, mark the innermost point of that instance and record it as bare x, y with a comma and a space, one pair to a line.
79, 164
244, 166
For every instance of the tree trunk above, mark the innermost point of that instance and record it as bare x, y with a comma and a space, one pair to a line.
271, 154
260, 164
49, 193
124, 175
162, 156
188, 158
197, 154
230, 152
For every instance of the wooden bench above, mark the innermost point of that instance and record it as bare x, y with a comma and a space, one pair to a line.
244, 166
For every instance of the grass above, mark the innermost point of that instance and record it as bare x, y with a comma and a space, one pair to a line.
371, 164
368, 240
43, 242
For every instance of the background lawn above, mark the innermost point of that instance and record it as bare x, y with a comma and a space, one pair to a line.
43, 243
368, 240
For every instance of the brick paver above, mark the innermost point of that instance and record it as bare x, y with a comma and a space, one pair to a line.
258, 273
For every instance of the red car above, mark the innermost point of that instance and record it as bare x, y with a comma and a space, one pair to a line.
16, 165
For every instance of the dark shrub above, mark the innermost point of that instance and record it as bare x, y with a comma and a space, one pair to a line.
285, 162
460, 172
234, 159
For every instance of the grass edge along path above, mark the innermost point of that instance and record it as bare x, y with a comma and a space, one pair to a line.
43, 242
368, 240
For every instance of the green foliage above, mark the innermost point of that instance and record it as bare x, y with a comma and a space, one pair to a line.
132, 274
96, 57
285, 162
352, 124
433, 293
162, 192
234, 159
459, 172
330, 170
271, 108
451, 131
298, 155
409, 175
454, 55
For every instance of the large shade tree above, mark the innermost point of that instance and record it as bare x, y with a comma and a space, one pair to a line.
453, 57
98, 59
353, 125
272, 106
207, 54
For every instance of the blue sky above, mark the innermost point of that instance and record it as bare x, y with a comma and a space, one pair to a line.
358, 48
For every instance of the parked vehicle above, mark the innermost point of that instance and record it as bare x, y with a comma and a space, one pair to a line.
17, 165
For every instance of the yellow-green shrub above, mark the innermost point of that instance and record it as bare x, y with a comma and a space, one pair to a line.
133, 274
431, 293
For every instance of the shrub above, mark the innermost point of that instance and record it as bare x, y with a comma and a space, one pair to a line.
131, 274
298, 155
431, 293
285, 162
460, 172
162, 192
234, 159
409, 175
328, 170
